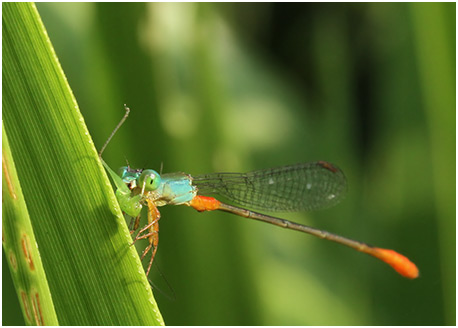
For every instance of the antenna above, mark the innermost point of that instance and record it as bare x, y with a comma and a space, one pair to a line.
116, 129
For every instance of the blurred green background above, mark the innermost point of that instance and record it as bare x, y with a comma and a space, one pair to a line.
236, 87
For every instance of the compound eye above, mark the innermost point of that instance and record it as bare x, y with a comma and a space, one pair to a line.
150, 179
123, 171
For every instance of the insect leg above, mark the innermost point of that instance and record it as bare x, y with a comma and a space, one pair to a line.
135, 224
153, 233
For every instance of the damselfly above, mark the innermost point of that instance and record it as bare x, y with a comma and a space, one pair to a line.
300, 187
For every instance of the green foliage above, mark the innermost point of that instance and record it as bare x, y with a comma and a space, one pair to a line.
21, 248
76, 228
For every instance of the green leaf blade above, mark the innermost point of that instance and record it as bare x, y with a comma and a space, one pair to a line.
20, 246
93, 273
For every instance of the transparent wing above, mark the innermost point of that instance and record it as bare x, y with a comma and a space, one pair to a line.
300, 187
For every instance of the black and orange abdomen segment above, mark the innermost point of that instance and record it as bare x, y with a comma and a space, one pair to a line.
204, 203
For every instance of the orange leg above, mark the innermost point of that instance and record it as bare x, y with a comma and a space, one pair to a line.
135, 224
153, 233
149, 226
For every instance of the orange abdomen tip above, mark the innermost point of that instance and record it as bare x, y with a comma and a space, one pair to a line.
398, 262
203, 203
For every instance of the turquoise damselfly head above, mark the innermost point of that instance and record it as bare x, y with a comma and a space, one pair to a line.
147, 180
